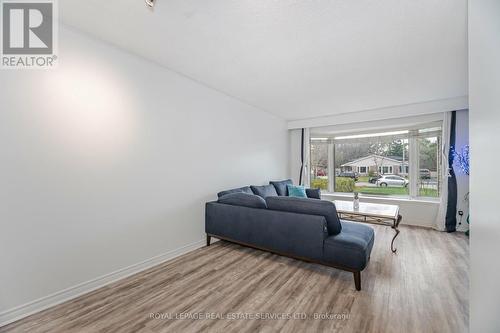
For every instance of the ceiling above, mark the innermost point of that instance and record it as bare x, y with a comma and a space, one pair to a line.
295, 59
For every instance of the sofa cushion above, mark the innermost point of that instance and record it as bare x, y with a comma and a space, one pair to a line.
280, 186
296, 191
308, 206
313, 193
243, 199
244, 189
264, 191
294, 234
351, 248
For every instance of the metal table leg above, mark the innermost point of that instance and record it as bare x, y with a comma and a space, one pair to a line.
395, 227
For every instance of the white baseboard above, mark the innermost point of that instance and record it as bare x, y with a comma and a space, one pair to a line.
19, 312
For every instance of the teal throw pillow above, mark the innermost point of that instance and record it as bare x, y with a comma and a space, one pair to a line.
296, 191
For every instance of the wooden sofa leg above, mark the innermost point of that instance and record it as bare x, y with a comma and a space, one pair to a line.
208, 240
357, 280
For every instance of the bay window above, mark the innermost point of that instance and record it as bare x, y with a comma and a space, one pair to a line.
398, 163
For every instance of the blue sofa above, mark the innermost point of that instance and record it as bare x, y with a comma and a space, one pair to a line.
303, 228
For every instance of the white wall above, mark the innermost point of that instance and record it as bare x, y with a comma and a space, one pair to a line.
484, 85
108, 160
294, 137
420, 213
390, 113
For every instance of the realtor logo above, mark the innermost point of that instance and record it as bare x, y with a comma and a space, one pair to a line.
28, 33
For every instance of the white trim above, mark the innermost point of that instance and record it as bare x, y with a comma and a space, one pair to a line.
331, 166
440, 222
27, 309
397, 111
382, 125
415, 212
435, 201
413, 162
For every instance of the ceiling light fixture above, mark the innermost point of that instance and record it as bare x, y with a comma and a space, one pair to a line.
150, 3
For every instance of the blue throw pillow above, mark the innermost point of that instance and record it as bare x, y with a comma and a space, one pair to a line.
280, 186
264, 191
296, 191
244, 189
243, 199
313, 193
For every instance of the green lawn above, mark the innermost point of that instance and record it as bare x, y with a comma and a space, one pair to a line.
363, 179
428, 192
382, 190
346, 185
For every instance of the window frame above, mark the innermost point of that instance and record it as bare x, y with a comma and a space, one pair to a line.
411, 166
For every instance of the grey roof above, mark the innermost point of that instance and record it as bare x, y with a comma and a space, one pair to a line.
373, 155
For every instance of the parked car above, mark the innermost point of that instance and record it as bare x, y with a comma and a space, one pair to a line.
349, 174
373, 180
391, 180
425, 174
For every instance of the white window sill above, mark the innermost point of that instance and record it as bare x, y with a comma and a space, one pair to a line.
349, 196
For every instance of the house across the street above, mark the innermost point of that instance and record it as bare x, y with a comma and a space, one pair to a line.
378, 165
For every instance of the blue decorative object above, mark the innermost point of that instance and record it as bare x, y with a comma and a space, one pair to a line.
296, 191
462, 157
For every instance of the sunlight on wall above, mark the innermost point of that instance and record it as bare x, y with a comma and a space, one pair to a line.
90, 108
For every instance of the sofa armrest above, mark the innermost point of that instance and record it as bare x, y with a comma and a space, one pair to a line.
285, 232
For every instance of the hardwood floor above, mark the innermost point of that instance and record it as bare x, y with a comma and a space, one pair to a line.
422, 288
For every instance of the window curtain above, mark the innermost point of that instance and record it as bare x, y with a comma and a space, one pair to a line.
446, 217
303, 161
451, 209
301, 155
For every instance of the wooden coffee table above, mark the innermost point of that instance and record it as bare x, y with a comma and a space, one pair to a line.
371, 213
